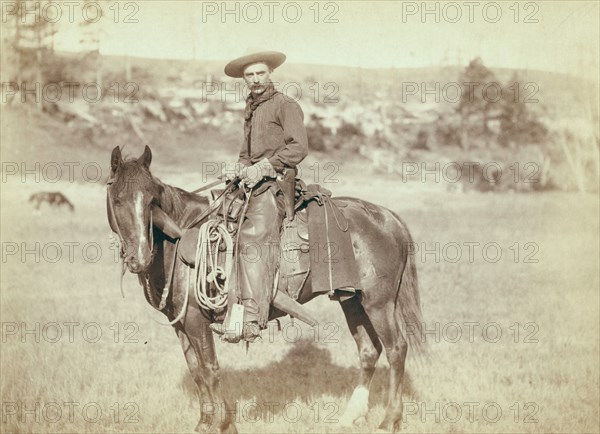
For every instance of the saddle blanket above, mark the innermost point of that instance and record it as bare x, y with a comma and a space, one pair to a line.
333, 265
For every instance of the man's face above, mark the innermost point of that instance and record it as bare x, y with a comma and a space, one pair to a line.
257, 76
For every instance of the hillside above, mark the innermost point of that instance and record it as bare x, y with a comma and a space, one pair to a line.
379, 118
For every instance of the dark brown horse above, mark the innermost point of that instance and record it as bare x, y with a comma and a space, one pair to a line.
53, 198
387, 313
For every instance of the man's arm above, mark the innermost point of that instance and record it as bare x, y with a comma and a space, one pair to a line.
296, 148
244, 156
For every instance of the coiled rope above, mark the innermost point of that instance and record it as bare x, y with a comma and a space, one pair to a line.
212, 235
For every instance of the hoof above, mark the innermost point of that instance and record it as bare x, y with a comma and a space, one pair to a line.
346, 422
389, 427
204, 427
358, 407
360, 421
230, 429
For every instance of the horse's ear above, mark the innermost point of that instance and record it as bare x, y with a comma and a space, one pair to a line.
146, 157
115, 159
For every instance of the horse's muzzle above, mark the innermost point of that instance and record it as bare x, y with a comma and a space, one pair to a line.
138, 263
135, 267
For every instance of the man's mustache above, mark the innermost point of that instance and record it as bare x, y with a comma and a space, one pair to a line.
259, 85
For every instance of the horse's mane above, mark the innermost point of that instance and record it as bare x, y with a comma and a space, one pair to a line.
173, 200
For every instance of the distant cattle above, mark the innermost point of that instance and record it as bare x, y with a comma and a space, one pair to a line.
55, 199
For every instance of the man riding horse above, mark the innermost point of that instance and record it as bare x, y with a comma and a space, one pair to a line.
151, 219
275, 142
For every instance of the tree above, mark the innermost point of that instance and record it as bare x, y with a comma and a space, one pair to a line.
518, 124
31, 41
90, 39
477, 103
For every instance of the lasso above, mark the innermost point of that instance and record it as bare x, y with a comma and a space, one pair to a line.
212, 234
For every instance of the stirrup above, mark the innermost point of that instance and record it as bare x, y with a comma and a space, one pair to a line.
250, 332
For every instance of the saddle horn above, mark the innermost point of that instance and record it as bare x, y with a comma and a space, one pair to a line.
166, 224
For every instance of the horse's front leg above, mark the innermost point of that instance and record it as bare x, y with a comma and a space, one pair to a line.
216, 412
195, 371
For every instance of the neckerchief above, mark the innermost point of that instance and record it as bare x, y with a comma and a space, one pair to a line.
252, 103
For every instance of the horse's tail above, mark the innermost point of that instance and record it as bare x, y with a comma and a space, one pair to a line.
408, 303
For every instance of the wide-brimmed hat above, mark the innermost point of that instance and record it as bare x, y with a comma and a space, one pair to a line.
235, 68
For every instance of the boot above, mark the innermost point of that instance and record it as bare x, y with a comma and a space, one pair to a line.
237, 325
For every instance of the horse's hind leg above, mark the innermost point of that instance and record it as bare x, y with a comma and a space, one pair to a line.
396, 347
369, 350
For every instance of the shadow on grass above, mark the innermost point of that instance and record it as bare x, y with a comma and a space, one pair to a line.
307, 373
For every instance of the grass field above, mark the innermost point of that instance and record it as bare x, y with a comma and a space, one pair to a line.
515, 349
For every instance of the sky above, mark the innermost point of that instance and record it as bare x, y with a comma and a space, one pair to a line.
560, 36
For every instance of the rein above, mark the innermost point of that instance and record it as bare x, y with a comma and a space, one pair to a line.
209, 186
212, 208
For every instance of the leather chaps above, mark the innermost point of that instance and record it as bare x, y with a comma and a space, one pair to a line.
258, 253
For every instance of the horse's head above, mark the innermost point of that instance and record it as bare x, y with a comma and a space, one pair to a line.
131, 193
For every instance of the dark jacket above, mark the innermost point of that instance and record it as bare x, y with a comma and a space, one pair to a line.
278, 134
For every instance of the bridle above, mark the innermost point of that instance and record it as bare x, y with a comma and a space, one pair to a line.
115, 225
112, 221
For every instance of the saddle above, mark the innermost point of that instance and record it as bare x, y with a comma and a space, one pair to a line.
316, 244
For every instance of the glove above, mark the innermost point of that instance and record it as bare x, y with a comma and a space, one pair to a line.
252, 175
230, 171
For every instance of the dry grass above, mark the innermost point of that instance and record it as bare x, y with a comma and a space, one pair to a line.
559, 294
